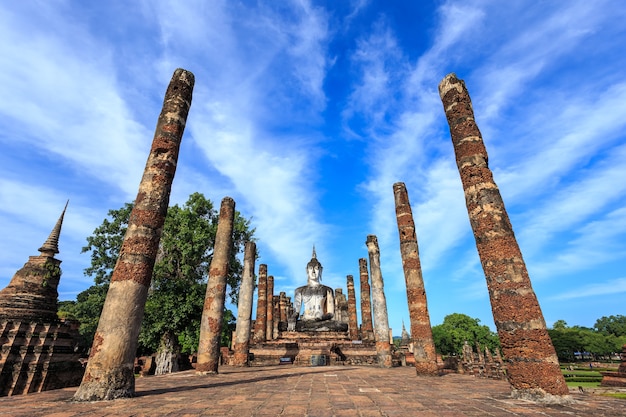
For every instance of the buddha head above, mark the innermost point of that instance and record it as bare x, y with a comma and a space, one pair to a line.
314, 269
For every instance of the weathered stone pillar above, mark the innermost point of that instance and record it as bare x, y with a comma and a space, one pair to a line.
532, 364
213, 310
421, 332
367, 329
341, 306
353, 327
261, 306
244, 307
379, 304
276, 316
109, 372
269, 315
283, 306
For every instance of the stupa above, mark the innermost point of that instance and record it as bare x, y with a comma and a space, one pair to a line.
38, 352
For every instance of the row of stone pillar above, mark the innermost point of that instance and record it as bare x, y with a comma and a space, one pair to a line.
532, 365
271, 309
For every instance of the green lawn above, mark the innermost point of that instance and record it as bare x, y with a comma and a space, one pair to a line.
572, 384
615, 395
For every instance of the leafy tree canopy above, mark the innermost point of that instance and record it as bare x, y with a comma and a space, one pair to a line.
615, 325
177, 291
597, 342
456, 329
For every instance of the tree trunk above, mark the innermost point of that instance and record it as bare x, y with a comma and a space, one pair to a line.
167, 355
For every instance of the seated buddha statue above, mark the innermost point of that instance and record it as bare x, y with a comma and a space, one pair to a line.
317, 301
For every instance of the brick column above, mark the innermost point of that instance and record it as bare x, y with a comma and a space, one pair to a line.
421, 332
379, 305
261, 306
367, 329
283, 306
353, 327
269, 315
213, 311
532, 365
244, 307
276, 316
109, 372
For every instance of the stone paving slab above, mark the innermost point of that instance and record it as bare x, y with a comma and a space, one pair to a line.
341, 391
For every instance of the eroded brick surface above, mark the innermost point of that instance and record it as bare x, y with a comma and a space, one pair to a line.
244, 307
109, 373
312, 391
213, 310
261, 309
379, 304
353, 327
421, 332
367, 329
531, 360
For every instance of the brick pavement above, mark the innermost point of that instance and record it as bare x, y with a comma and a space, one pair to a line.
340, 391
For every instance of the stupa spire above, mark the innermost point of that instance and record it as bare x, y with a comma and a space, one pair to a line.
51, 246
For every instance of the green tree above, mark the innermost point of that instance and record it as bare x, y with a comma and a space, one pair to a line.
615, 325
176, 295
456, 329
570, 341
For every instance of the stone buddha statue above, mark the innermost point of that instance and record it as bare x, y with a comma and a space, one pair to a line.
318, 302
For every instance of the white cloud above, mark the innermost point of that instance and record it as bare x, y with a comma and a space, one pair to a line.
69, 103
239, 97
612, 287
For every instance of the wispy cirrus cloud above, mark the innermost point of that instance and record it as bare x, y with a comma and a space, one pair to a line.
616, 286
241, 99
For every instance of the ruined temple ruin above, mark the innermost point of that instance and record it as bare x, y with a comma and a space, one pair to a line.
532, 364
38, 352
318, 328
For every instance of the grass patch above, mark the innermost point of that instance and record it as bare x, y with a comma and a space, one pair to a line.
572, 384
615, 395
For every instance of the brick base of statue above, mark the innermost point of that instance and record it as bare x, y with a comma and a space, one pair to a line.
314, 348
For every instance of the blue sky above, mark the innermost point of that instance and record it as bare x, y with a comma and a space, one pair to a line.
307, 112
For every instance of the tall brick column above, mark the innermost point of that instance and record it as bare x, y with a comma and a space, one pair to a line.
353, 327
283, 306
261, 306
367, 329
269, 315
244, 307
379, 304
532, 364
276, 316
421, 332
109, 372
213, 310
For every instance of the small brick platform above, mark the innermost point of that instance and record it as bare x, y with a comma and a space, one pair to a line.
310, 391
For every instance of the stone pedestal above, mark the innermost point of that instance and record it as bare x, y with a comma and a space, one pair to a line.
313, 349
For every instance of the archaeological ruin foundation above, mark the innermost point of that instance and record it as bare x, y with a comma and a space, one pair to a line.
317, 326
